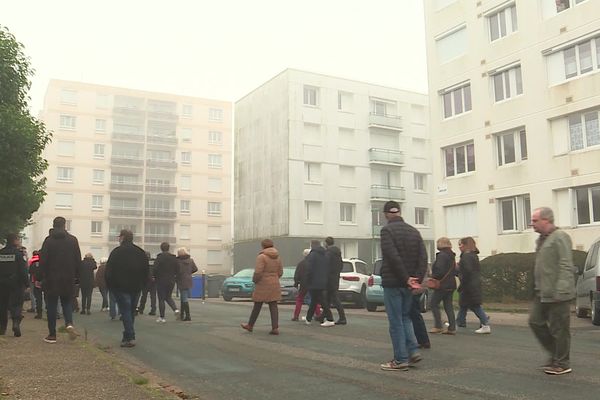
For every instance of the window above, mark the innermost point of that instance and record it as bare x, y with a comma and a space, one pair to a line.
345, 101
184, 206
186, 111
514, 213
215, 137
347, 176
503, 22
186, 157
215, 161
311, 95
66, 149
385, 108
420, 182
214, 209
452, 44
98, 151
583, 130
574, 60
347, 213
460, 159
67, 122
562, 5
511, 147
507, 83
186, 135
312, 172
456, 100
184, 232
68, 224
214, 257
64, 200
68, 96
461, 220
64, 174
98, 177
421, 216
96, 228
186, 182
312, 211
588, 205
213, 232
215, 114
214, 184
100, 125
97, 202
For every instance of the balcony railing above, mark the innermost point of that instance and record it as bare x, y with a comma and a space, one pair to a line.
163, 164
126, 187
129, 111
166, 140
161, 189
128, 137
127, 161
386, 156
160, 213
162, 115
113, 236
159, 238
387, 121
125, 212
385, 192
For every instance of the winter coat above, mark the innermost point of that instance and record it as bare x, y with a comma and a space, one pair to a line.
60, 258
444, 262
126, 268
13, 269
267, 272
187, 267
86, 272
554, 270
335, 265
403, 254
317, 269
166, 268
300, 280
469, 272
100, 279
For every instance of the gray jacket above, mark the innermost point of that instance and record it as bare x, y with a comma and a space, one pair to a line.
554, 270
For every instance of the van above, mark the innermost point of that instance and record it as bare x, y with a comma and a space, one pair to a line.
587, 302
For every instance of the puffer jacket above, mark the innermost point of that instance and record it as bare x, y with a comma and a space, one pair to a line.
267, 272
469, 272
444, 264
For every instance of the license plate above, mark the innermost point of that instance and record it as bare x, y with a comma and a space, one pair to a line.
284, 293
234, 289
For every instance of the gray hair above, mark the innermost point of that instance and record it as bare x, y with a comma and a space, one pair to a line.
546, 213
182, 251
305, 252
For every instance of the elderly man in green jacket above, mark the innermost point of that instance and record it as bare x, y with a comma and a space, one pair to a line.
554, 277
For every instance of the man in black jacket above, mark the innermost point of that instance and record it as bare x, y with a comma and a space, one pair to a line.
317, 272
166, 268
404, 260
149, 289
13, 281
334, 259
126, 273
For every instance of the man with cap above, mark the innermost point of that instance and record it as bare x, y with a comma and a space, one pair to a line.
404, 261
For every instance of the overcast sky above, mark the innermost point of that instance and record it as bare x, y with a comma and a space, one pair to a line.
218, 49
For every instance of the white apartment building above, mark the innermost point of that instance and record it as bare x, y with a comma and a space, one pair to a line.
157, 164
514, 91
317, 156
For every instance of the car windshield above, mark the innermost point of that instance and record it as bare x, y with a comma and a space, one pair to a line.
288, 273
347, 267
245, 273
377, 267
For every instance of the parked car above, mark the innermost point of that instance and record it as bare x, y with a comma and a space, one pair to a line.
353, 281
374, 292
587, 302
288, 291
238, 285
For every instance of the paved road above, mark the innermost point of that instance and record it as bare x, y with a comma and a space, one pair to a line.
213, 358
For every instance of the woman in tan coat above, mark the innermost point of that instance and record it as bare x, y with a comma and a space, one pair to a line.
267, 289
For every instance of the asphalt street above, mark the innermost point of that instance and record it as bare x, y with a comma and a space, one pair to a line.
213, 358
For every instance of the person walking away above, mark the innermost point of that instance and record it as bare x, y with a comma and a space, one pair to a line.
13, 281
149, 289
165, 274
301, 283
470, 293
187, 267
126, 273
317, 271
36, 283
335, 264
100, 283
267, 289
60, 257
86, 282
403, 257
444, 270
554, 279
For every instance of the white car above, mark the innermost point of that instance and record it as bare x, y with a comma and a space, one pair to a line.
353, 281
587, 302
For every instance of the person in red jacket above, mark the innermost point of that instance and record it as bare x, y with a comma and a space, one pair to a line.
36, 283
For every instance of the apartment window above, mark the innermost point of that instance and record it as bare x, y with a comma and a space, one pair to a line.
215, 114
384, 108
100, 125
420, 182
461, 220
67, 122
186, 111
68, 96
313, 211
588, 205
214, 184
97, 202
514, 213
460, 159
184, 232
311, 96
312, 172
184, 206
98, 176
347, 176
66, 149
347, 213
98, 150
451, 44
214, 257
64, 200
186, 157
186, 182
456, 100
507, 83
64, 174
583, 130
186, 135
214, 209
511, 147
213, 232
215, 137
503, 22
96, 228
578, 59
562, 5
345, 101
421, 216
215, 161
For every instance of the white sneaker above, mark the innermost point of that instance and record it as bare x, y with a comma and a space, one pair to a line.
328, 323
307, 322
177, 312
485, 329
161, 320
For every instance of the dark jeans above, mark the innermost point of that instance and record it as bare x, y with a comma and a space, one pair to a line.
417, 320
38, 294
319, 296
104, 293
461, 317
127, 302
445, 296
150, 289
551, 325
11, 301
164, 291
333, 299
86, 298
272, 308
113, 307
52, 304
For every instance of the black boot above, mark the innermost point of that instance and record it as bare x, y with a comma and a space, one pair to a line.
17, 327
186, 308
342, 320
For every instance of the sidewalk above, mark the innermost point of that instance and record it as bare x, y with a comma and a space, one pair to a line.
33, 369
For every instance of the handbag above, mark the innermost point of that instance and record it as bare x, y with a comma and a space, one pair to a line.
433, 283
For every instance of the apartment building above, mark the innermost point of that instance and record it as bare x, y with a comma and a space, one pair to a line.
514, 96
317, 156
158, 164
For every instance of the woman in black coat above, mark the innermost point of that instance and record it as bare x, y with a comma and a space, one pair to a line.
469, 272
86, 282
444, 270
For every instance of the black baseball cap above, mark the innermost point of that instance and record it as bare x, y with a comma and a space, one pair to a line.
391, 207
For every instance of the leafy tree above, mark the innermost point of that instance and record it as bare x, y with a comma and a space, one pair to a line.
22, 140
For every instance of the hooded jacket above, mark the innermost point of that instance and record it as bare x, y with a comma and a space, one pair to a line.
317, 269
187, 267
86, 272
469, 272
59, 262
126, 268
267, 272
166, 268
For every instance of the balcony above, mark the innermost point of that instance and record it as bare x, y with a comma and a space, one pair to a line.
386, 121
159, 238
127, 212
161, 189
385, 192
128, 137
129, 112
113, 237
162, 116
124, 161
164, 140
377, 230
385, 156
126, 187
161, 164
160, 213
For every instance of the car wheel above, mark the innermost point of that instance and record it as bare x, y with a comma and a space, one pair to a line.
361, 299
595, 313
424, 302
371, 307
227, 298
